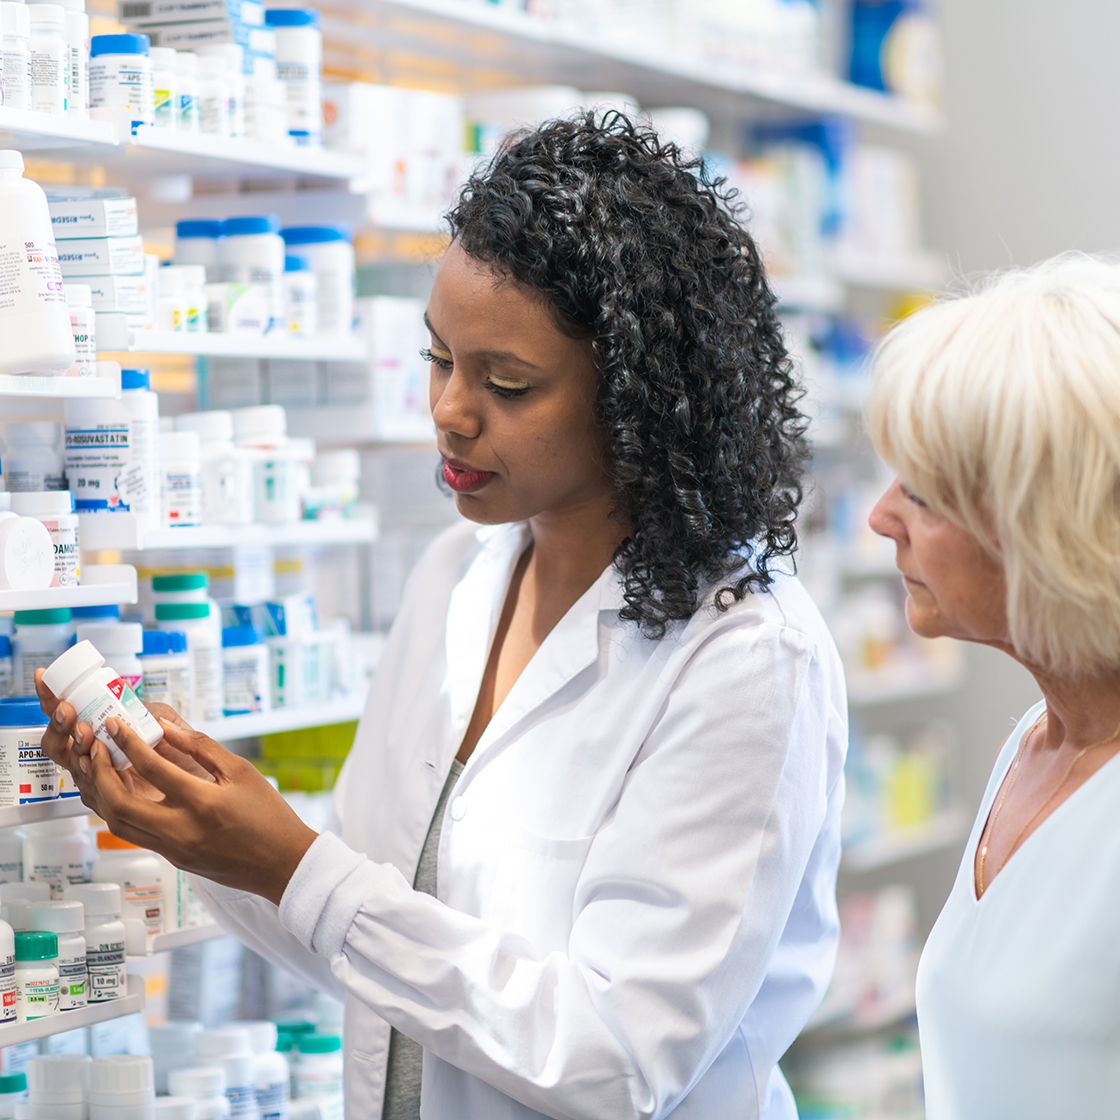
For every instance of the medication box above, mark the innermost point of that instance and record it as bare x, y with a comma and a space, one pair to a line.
101, 256
140, 12
126, 294
94, 217
210, 32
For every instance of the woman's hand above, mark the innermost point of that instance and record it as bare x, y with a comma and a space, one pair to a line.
203, 808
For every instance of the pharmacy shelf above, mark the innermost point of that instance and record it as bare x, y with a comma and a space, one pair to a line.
137, 944
56, 388
834, 1028
867, 690
13, 1033
101, 584
42, 134
894, 847
921, 273
344, 709
484, 40
121, 531
809, 293
275, 346
15, 815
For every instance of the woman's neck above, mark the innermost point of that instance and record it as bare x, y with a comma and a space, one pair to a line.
1080, 711
572, 547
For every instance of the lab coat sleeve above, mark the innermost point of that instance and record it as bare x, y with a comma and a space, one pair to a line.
679, 908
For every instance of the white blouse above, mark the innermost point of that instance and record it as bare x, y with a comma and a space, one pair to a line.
1019, 991
635, 912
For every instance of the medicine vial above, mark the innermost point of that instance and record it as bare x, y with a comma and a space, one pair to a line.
166, 669
34, 321
7, 973
105, 939
40, 636
318, 1070
197, 242
172, 1045
36, 975
245, 671
252, 252
120, 75
122, 1087
301, 294
27, 775
213, 96
26, 554
270, 1069
299, 63
227, 478
6, 670
33, 461
57, 1086
204, 644
66, 920
180, 466
206, 1085
81, 677
77, 46
186, 71
54, 510
18, 898
176, 1108
11, 857
139, 875
57, 854
120, 644
50, 59
165, 87
83, 326
328, 251
17, 55
231, 1050
233, 58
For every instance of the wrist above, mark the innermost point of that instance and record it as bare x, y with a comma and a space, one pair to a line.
283, 861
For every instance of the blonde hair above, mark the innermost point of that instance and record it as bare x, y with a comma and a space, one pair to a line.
1001, 409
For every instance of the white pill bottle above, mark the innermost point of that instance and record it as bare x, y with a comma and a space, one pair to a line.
299, 64
66, 920
105, 939
34, 319
7, 973
120, 76
328, 251
139, 875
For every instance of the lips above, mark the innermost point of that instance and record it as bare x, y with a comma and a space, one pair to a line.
464, 479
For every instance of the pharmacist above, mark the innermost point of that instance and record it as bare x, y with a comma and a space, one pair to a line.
586, 842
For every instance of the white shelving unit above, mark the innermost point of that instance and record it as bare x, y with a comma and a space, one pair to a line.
13, 816
343, 709
214, 345
13, 1033
103, 583
57, 388
137, 945
882, 851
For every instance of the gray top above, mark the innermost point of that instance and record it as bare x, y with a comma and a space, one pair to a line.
402, 1079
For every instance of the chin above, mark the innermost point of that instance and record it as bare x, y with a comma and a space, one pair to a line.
924, 623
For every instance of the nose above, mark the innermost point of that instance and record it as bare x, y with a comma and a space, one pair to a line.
884, 519
453, 409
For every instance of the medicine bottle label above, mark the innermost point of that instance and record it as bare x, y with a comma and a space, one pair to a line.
96, 456
245, 683
58, 875
242, 1101
119, 702
272, 1101
71, 983
28, 663
27, 776
36, 998
65, 785
30, 277
7, 989
105, 964
168, 685
50, 77
17, 73
66, 554
182, 497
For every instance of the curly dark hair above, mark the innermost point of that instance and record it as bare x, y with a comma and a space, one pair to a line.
633, 245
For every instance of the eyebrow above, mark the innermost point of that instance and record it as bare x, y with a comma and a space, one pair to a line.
493, 355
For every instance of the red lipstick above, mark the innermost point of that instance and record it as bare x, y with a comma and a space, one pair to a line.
463, 479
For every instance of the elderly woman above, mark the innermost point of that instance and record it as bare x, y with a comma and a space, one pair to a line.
1001, 414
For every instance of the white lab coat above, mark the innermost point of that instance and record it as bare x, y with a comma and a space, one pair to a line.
635, 912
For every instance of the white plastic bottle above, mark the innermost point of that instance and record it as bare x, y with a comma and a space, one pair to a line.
122, 1087
11, 857
262, 430
180, 467
34, 321
120, 644
120, 76
57, 853
165, 87
27, 776
36, 975
111, 451
176, 1108
233, 57
231, 1050
77, 46
50, 59
54, 509
204, 644
318, 1072
252, 252
328, 252
105, 938
33, 461
213, 96
227, 477
186, 70
206, 1085
301, 296
182, 908
198, 242
270, 1069
58, 1085
81, 678
299, 64
83, 326
172, 1045
6, 670
245, 665
7, 972
40, 637
17, 54
26, 554
137, 872
65, 919
167, 671
18, 898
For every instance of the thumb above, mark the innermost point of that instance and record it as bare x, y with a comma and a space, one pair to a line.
209, 755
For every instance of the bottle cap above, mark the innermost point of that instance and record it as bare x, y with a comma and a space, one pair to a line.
174, 1037
161, 642
110, 638
235, 636
61, 674
121, 1079
107, 842
291, 17
60, 826
90, 614
176, 1108
216, 425
319, 1044
78, 295
42, 503
258, 223
22, 711
50, 15
11, 160
34, 431
119, 44
182, 581
58, 1079
52, 617
179, 445
262, 1034
197, 1081
315, 235
295, 264
33, 891
99, 899
163, 57
198, 227
229, 1042
136, 378
260, 420
296, 1027
5, 646
181, 612
62, 916
13, 1082
36, 945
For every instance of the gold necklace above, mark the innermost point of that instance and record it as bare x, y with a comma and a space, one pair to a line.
987, 834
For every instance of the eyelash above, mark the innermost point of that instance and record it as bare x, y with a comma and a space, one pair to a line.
500, 390
914, 498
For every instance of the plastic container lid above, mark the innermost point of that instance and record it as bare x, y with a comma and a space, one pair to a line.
61, 674
136, 378
217, 425
181, 612
225, 1043
107, 842
179, 445
163, 57
176, 1035
197, 1081
176, 1108
13, 1083
58, 1078
315, 235
122, 1079
36, 945
53, 15
78, 295
320, 1044
55, 616
98, 899
233, 636
291, 17
110, 638
262, 1034
42, 503
60, 826
31, 892
260, 420
34, 431
182, 581
296, 1027
5, 646
344, 465
198, 227
119, 44
159, 643
22, 711
253, 224
295, 264
105, 610
61, 916
11, 160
